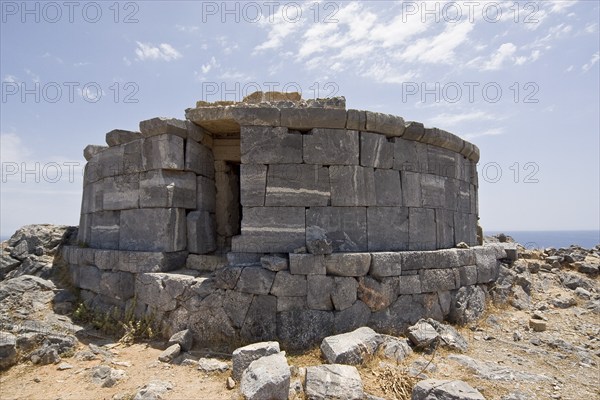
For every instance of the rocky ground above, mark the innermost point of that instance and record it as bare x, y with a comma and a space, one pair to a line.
538, 339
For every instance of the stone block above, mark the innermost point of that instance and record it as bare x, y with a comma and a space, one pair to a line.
205, 263
288, 285
261, 320
239, 258
488, 265
168, 189
163, 152
308, 118
411, 189
320, 288
433, 191
91, 150
201, 232
346, 227
285, 303
109, 162
377, 295
464, 197
242, 357
468, 275
442, 162
133, 157
413, 131
307, 264
422, 229
138, 261
343, 294
105, 231
198, 134
444, 224
88, 277
255, 280
227, 119
376, 151
410, 155
270, 145
352, 348
301, 329
331, 147
352, 186
352, 318
348, 264
267, 378
206, 194
93, 197
474, 200
388, 192
465, 228
356, 120
451, 194
271, 229
387, 228
236, 305
433, 280
163, 126
84, 234
227, 278
274, 263
199, 159
253, 182
410, 284
118, 285
153, 229
297, 185
386, 264
387, 124
413, 260
117, 137
121, 192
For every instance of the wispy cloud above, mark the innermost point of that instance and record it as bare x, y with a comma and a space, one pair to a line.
456, 119
164, 51
594, 60
488, 132
187, 29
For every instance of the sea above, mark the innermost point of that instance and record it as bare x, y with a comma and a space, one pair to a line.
556, 239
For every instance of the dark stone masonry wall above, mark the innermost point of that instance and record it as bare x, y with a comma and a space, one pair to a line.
280, 218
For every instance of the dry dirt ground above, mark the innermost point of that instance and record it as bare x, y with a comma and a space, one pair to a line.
563, 361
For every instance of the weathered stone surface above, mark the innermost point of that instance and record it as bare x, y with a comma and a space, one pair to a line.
465, 228
8, 350
410, 156
163, 126
320, 246
351, 318
442, 162
348, 264
388, 228
118, 137
422, 334
319, 292
199, 159
268, 145
163, 152
433, 280
376, 151
105, 230
260, 322
388, 192
352, 348
108, 163
288, 285
297, 185
491, 371
387, 124
352, 185
183, 338
301, 329
105, 376
422, 229
325, 382
212, 365
343, 294
286, 303
468, 305
307, 264
153, 229
377, 295
409, 284
255, 280
136, 261
433, 191
133, 157
267, 378
167, 189
386, 264
228, 118
413, 131
205, 194
91, 150
309, 118
331, 147
356, 120
153, 390
226, 278
274, 263
487, 264
405, 311
204, 262
444, 225
121, 192
448, 336
346, 227
411, 189
468, 275
271, 229
445, 390
242, 357
201, 230
118, 285
394, 348
253, 181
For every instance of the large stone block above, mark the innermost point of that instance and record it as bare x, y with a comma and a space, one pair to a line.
346, 227
444, 224
227, 120
387, 228
468, 275
348, 264
352, 318
85, 225
163, 152
133, 157
388, 192
199, 159
465, 228
201, 232
307, 264
442, 162
117, 137
153, 229
376, 151
422, 229
356, 120
413, 131
386, 264
271, 229
108, 162
352, 186
168, 189
163, 126
301, 329
331, 147
288, 285
410, 155
255, 280
343, 294
488, 265
433, 191
105, 230
91, 150
138, 261
409, 284
308, 118
93, 197
434, 280
121, 192
377, 295
261, 320
297, 185
446, 140
268, 145
411, 189
253, 182
206, 194
451, 194
88, 277
285, 303
320, 288
387, 124
118, 285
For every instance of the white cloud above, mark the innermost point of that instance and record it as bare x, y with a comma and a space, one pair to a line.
489, 132
209, 65
594, 60
439, 49
385, 73
187, 29
559, 6
570, 68
591, 28
455, 119
164, 51
10, 78
89, 94
237, 76
504, 53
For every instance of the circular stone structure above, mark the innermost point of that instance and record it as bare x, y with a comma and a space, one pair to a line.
281, 218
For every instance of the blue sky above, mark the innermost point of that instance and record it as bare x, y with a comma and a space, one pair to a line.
519, 79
